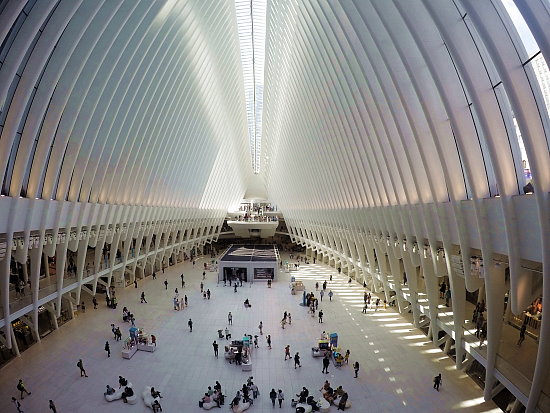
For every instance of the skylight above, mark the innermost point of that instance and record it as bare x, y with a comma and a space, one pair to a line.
251, 16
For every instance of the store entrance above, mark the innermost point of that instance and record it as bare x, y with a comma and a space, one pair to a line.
235, 274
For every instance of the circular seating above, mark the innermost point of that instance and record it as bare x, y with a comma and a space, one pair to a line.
303, 407
118, 394
241, 407
147, 398
324, 405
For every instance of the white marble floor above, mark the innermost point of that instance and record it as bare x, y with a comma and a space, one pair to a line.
397, 362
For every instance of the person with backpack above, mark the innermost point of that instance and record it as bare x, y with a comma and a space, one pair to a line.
273, 396
437, 381
80, 365
21, 387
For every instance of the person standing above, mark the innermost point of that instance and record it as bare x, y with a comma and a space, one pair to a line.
94, 301
185, 297
143, 300
522, 334
280, 398
289, 319
17, 404
283, 322
135, 283
317, 286
215, 345
297, 360
52, 406
166, 284
260, 327
80, 365
21, 387
437, 381
346, 356
330, 294
326, 363
190, 324
208, 293
204, 275
287, 352
108, 349
321, 316
273, 396
256, 342
154, 275
356, 368
230, 319
269, 341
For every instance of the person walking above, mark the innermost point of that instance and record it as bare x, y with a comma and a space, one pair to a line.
190, 324
326, 363
289, 316
287, 352
522, 334
356, 368
17, 404
215, 345
143, 300
202, 287
330, 294
321, 294
208, 293
52, 406
437, 381
185, 298
230, 319
317, 286
376, 304
321, 316
269, 341
204, 275
21, 387
297, 360
260, 327
235, 287
108, 349
283, 322
166, 284
256, 342
346, 356
94, 302
80, 365
273, 396
280, 398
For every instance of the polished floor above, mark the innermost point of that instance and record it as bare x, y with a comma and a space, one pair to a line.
397, 361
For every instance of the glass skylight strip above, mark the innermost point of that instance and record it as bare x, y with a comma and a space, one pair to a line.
251, 18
